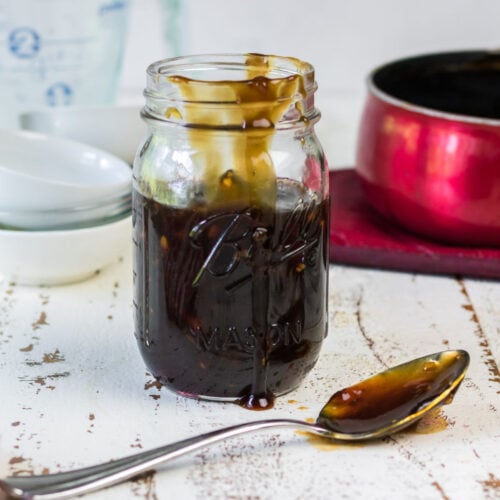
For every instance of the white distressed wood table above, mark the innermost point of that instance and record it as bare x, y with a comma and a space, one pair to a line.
74, 392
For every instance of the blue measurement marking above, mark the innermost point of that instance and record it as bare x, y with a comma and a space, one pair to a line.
59, 94
111, 6
24, 42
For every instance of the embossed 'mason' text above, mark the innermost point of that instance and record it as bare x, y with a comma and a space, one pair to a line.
233, 339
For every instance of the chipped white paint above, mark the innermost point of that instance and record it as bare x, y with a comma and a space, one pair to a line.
74, 391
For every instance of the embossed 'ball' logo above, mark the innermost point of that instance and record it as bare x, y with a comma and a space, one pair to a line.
234, 237
224, 234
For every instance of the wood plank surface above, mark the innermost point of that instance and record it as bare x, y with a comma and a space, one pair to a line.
74, 391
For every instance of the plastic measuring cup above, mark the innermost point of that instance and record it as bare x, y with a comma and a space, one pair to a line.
59, 52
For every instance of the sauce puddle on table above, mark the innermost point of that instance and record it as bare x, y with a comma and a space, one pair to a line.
434, 421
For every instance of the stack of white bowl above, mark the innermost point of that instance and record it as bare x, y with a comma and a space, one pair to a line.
65, 208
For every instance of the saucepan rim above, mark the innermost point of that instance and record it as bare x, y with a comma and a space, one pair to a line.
409, 106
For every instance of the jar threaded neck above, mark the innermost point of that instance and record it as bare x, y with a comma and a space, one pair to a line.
235, 91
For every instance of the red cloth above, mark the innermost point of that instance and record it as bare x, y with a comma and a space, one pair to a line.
359, 236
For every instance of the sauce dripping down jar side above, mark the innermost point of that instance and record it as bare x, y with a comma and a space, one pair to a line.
230, 227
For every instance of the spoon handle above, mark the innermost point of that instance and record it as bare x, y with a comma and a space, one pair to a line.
80, 481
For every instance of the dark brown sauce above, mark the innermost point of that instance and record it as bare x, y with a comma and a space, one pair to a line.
394, 394
231, 302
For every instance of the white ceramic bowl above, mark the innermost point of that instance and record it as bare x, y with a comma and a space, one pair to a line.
61, 257
117, 129
38, 171
67, 217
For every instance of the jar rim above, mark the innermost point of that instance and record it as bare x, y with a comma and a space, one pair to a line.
221, 82
276, 66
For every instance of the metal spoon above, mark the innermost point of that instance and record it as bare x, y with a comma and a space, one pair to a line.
376, 407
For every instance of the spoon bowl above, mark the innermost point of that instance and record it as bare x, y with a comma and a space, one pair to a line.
396, 398
376, 407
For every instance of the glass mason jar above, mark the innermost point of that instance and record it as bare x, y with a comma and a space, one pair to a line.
231, 227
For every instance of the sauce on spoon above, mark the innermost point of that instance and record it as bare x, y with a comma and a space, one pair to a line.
395, 397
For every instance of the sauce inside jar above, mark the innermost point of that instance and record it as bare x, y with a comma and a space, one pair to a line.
238, 304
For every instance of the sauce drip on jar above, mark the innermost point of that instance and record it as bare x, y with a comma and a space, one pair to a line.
244, 168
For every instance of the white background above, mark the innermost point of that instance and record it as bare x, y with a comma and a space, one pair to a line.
343, 39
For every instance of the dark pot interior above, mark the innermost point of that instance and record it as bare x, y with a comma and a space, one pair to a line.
463, 83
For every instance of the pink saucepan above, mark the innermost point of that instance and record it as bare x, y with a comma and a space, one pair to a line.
429, 145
